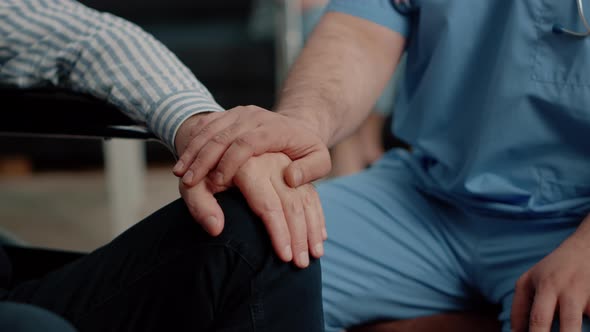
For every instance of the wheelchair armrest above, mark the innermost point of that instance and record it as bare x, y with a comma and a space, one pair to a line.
54, 112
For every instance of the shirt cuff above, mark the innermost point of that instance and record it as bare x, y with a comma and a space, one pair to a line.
377, 11
167, 117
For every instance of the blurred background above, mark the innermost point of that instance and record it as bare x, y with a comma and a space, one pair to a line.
79, 194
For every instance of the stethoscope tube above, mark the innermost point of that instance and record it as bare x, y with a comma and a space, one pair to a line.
404, 7
559, 29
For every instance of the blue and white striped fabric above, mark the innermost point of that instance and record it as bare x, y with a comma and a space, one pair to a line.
65, 44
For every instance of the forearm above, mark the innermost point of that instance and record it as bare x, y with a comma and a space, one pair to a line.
340, 74
62, 43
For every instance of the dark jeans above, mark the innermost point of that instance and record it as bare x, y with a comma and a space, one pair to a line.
167, 274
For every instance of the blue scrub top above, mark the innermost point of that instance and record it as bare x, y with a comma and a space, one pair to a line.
495, 105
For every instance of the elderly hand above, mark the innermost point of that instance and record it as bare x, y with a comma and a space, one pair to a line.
293, 217
218, 144
558, 285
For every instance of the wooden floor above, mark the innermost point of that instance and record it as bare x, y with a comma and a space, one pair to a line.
69, 210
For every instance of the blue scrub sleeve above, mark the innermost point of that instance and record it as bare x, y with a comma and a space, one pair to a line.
377, 11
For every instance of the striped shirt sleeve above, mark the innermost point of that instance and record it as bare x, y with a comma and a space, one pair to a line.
65, 44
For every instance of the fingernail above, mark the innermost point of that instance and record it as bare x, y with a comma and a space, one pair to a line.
211, 222
319, 249
303, 259
188, 177
297, 177
288, 253
218, 178
178, 166
324, 233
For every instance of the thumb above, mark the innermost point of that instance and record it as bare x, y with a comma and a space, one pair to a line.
309, 168
203, 206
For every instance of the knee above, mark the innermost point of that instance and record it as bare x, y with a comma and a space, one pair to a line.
243, 231
242, 261
244, 235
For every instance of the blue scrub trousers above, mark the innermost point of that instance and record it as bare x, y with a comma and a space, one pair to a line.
394, 252
19, 317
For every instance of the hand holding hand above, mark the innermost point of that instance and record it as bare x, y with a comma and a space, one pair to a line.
218, 144
293, 217
558, 285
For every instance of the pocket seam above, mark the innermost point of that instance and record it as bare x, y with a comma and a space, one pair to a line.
536, 75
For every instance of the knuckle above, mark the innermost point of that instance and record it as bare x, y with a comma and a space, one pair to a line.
295, 207
245, 110
186, 157
263, 135
571, 317
201, 123
538, 319
197, 128
253, 108
299, 244
245, 143
269, 208
221, 138
307, 200
546, 284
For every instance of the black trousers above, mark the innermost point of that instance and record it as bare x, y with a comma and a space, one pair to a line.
166, 274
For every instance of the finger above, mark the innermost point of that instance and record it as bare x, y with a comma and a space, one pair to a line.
205, 160
313, 166
521, 304
295, 216
542, 310
571, 311
201, 138
265, 203
320, 214
212, 153
314, 226
194, 125
203, 206
232, 160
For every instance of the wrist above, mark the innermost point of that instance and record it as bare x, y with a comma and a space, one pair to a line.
187, 130
316, 121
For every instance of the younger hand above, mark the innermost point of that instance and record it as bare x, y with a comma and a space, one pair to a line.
558, 285
293, 217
